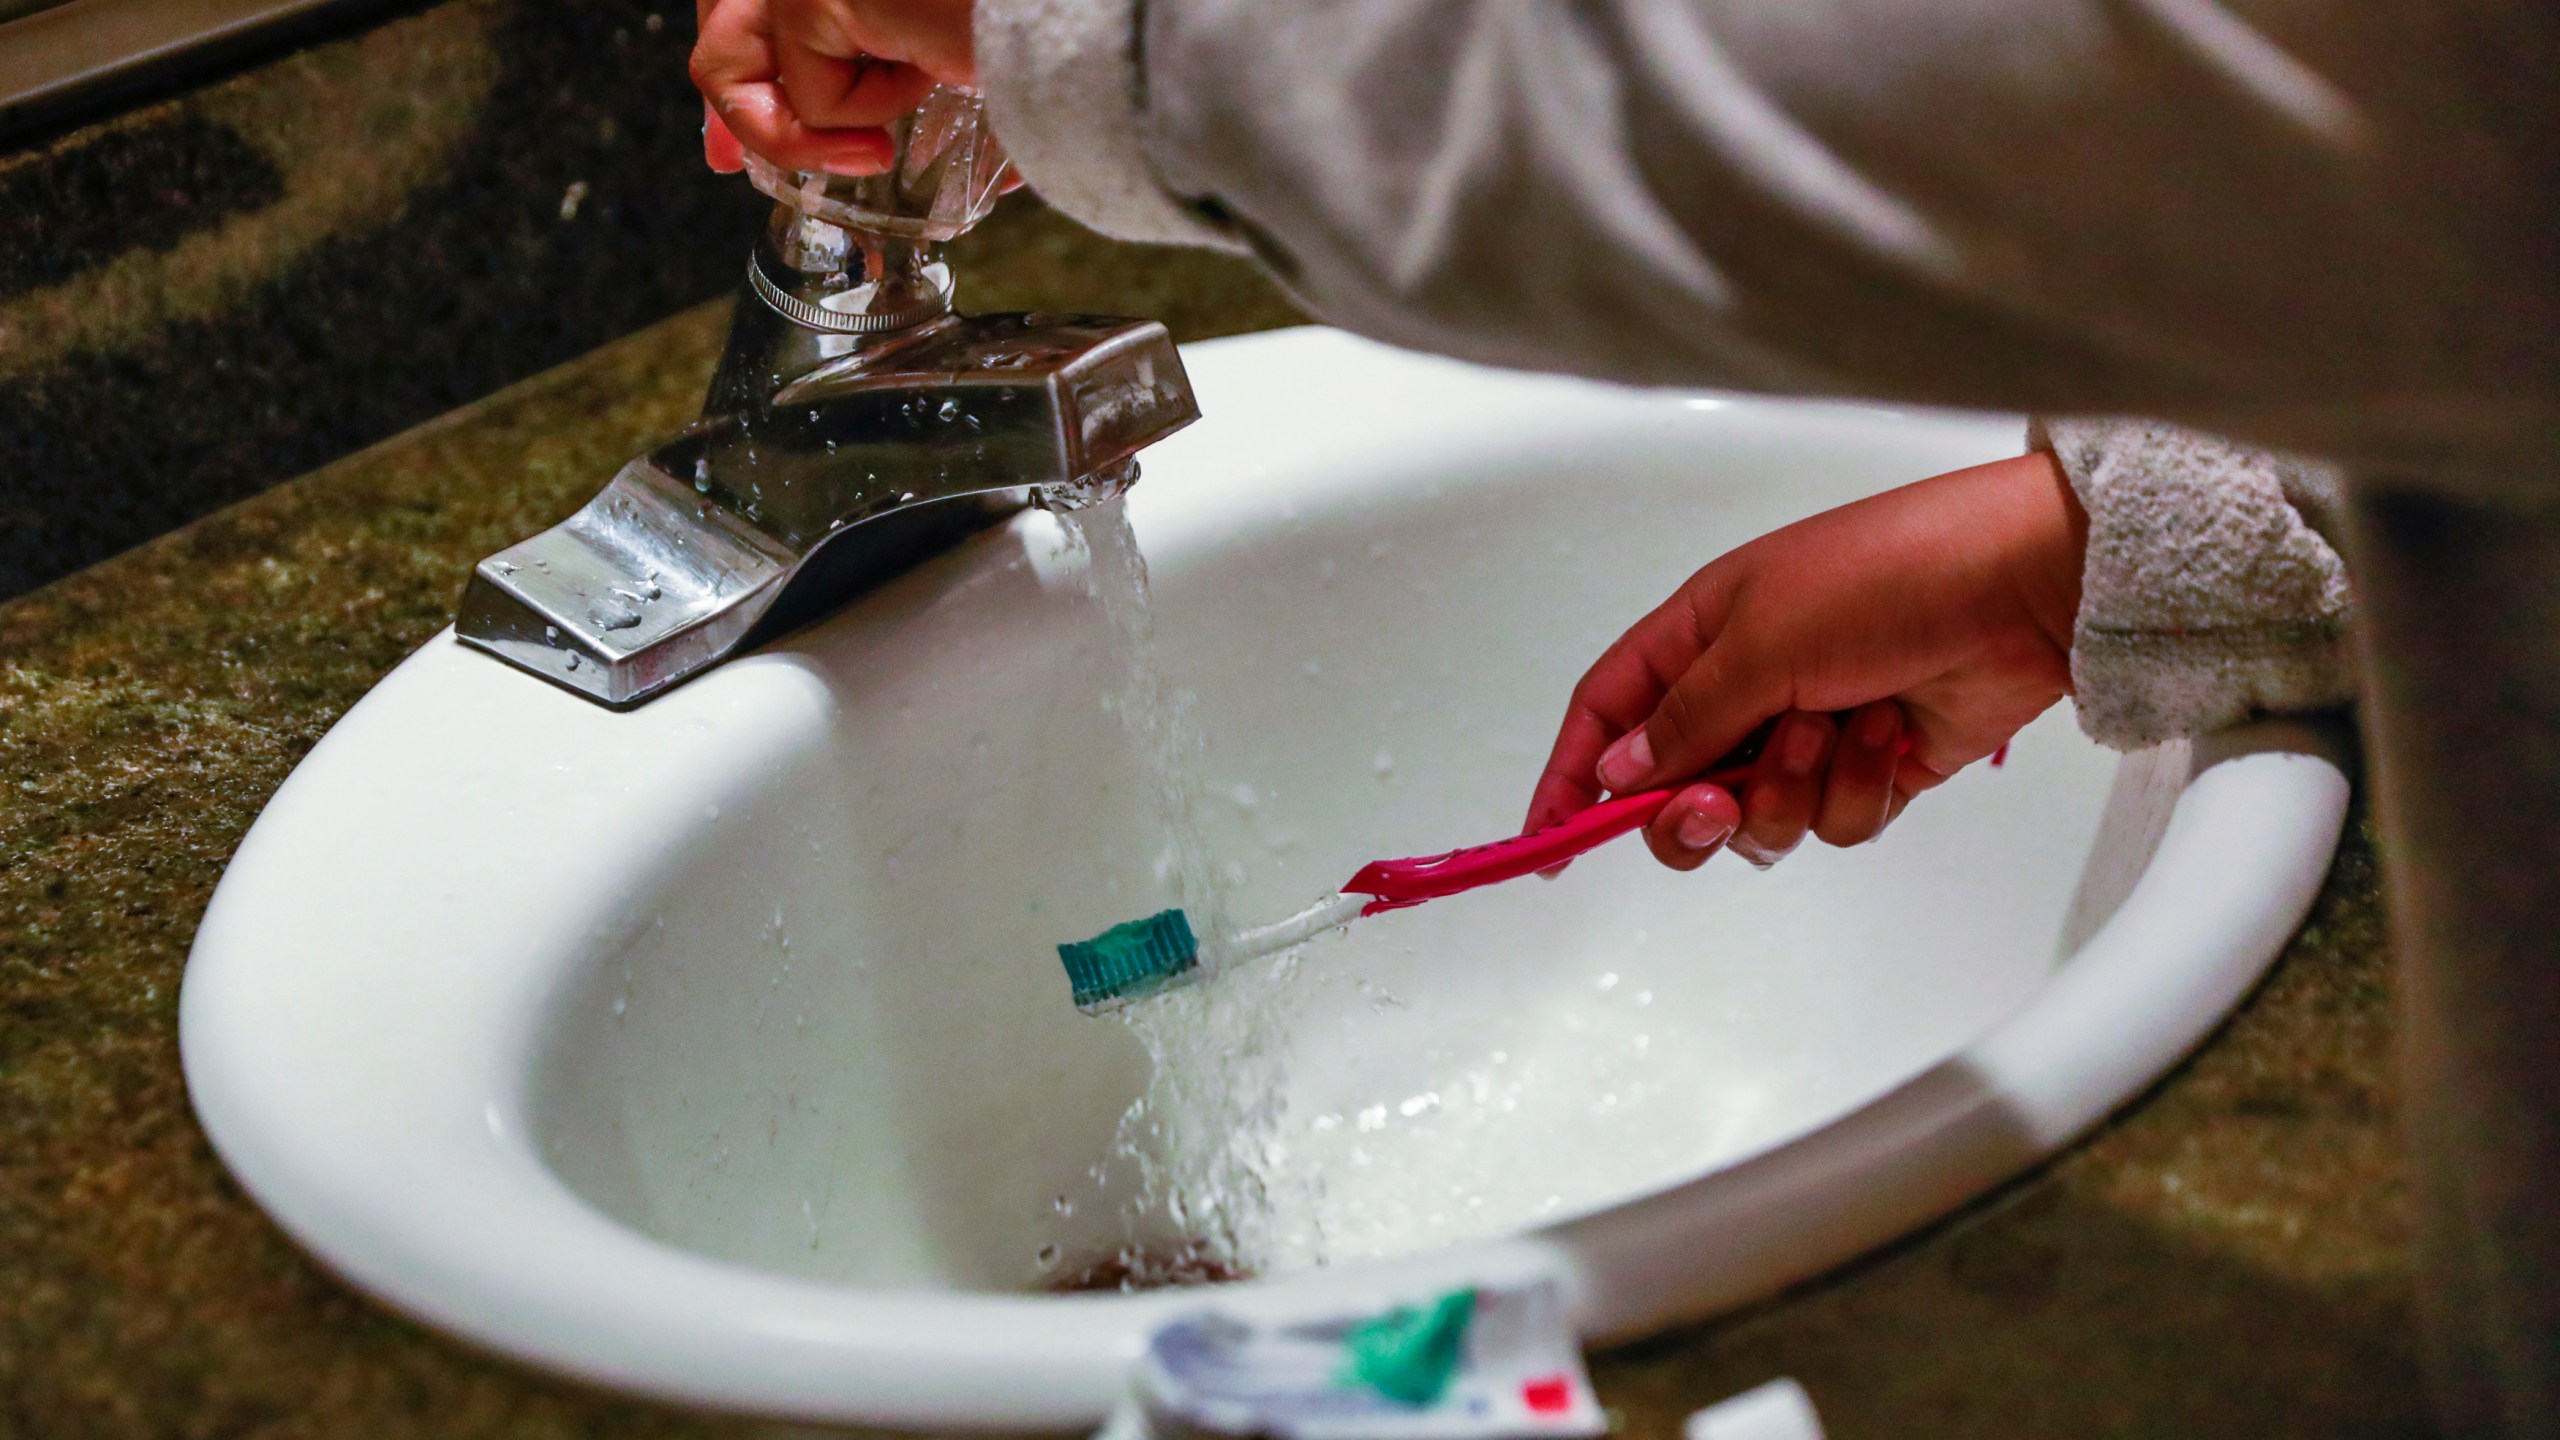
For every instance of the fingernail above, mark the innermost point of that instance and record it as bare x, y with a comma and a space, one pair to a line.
719, 147
1700, 831
1802, 749
1626, 762
1554, 872
1876, 727
1759, 859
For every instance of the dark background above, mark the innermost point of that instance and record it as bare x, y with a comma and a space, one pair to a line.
476, 281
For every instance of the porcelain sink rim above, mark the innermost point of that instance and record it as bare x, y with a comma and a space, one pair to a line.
575, 1290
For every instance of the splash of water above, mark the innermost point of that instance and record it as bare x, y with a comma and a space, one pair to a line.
1204, 1140
1162, 721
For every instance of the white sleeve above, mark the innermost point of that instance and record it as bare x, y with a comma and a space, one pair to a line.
1065, 95
2238, 213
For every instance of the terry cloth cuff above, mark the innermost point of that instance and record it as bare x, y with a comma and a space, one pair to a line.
2209, 593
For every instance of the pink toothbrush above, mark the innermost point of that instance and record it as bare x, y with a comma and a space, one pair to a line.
1384, 885
1140, 957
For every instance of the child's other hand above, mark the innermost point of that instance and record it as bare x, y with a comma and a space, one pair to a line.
807, 84
1938, 614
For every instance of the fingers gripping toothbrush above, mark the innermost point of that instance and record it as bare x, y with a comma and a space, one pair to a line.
1143, 957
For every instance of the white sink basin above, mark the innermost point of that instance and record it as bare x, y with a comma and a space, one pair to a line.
719, 1050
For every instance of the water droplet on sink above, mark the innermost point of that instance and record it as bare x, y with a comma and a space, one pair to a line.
1383, 763
620, 1004
950, 410
1244, 797
1048, 1256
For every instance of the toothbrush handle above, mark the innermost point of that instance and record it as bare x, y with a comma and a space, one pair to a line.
1399, 883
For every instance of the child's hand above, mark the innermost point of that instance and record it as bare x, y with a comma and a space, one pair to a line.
1939, 613
807, 84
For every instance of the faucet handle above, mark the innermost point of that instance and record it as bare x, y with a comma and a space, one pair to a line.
945, 175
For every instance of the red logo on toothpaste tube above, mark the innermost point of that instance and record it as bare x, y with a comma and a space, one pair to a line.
1547, 1395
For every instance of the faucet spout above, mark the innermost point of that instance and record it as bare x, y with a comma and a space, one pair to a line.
756, 520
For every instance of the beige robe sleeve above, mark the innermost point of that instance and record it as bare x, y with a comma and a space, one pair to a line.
2318, 224
2210, 592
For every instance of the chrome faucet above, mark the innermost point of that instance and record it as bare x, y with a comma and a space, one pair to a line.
856, 425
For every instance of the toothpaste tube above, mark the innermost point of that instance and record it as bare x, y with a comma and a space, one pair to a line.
1473, 1364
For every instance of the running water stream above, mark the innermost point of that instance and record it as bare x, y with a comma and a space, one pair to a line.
1204, 1140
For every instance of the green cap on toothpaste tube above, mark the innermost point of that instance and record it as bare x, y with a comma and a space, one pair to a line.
1469, 1364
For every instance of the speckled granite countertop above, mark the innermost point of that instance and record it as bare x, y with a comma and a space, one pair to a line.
2228, 1259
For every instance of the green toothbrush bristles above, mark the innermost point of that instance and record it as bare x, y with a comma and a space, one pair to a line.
1129, 960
